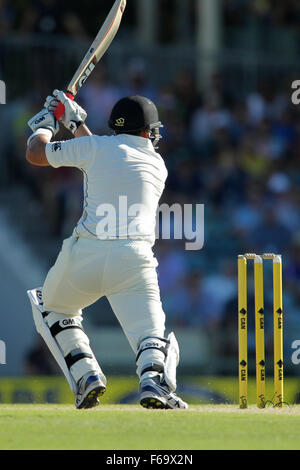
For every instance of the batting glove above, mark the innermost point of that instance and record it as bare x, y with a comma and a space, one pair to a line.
73, 116
44, 120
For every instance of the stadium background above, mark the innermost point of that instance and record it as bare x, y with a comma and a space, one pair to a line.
221, 73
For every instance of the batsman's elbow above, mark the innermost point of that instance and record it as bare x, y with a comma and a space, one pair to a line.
36, 154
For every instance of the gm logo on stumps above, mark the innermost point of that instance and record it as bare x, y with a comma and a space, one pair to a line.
2, 352
2, 92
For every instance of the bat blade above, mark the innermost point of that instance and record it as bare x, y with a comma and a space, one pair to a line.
99, 46
96, 51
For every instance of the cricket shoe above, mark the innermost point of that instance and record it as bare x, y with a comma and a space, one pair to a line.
90, 388
157, 395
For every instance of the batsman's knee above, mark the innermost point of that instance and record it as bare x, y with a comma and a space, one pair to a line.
66, 340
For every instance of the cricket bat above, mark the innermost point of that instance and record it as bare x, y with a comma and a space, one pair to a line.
97, 49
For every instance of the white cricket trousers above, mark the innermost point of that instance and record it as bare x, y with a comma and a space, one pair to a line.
122, 270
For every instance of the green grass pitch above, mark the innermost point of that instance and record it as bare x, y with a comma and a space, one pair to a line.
130, 427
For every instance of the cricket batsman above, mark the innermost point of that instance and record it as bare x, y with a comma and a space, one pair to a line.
108, 256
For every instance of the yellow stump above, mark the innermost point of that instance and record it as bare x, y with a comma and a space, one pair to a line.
278, 336
242, 331
259, 332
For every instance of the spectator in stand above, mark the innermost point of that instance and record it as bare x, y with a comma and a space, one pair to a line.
99, 95
247, 214
292, 269
137, 80
191, 305
270, 236
51, 17
8, 13
206, 121
172, 265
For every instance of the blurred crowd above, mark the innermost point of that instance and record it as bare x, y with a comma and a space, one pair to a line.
238, 158
40, 16
265, 12
74, 18
237, 155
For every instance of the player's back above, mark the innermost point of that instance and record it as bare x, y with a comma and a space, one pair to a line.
123, 181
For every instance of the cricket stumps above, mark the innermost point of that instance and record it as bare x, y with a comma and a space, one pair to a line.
259, 328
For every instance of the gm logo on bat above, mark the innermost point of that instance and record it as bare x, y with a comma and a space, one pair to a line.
2, 92
2, 352
87, 72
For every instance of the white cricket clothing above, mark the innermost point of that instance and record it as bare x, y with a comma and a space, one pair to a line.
122, 270
124, 178
121, 266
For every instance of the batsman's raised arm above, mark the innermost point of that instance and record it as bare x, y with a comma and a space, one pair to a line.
44, 126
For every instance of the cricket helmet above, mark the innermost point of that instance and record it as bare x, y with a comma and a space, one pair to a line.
135, 114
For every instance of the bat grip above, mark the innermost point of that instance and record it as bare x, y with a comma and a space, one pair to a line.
60, 108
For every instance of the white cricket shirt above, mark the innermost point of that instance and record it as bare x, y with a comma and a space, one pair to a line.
124, 178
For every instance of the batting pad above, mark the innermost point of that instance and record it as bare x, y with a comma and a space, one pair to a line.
158, 356
35, 297
171, 363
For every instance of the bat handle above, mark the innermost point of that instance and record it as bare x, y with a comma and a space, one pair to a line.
60, 108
